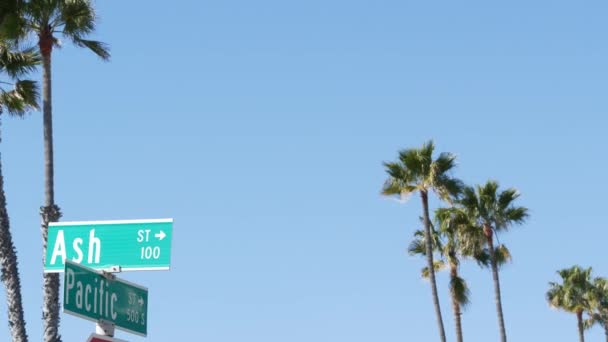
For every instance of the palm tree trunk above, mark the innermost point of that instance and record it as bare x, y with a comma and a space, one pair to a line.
579, 319
429, 259
606, 331
501, 322
456, 307
50, 212
10, 273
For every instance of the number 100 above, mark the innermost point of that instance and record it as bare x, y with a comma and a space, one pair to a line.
150, 253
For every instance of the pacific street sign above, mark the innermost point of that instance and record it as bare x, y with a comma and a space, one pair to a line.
133, 245
94, 296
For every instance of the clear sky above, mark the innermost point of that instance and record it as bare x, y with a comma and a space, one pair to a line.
261, 128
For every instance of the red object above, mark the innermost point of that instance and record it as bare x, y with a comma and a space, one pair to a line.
100, 338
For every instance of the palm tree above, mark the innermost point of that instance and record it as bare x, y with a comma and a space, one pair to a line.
16, 101
598, 312
574, 294
493, 212
453, 242
47, 20
416, 171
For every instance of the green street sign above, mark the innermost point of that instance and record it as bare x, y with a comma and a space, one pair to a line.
132, 245
96, 297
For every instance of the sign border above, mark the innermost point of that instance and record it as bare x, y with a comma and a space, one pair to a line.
82, 223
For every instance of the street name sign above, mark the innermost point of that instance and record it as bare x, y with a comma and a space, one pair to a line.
101, 338
134, 245
103, 297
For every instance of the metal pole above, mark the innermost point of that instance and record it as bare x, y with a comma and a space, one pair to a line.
104, 328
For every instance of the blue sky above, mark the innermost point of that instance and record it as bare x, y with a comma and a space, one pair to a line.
261, 128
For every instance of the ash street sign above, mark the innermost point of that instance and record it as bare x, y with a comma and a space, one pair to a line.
133, 245
94, 296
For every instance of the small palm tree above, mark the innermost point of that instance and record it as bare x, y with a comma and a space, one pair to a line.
493, 212
417, 171
598, 312
16, 101
47, 20
574, 294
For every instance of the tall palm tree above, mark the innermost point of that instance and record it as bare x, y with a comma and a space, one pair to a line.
16, 101
598, 311
574, 294
417, 171
493, 212
47, 20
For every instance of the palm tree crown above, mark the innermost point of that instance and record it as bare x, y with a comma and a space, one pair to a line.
492, 209
574, 294
73, 19
417, 171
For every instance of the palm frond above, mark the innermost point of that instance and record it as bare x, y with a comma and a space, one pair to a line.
417, 246
99, 48
507, 197
78, 17
20, 100
469, 201
516, 215
482, 257
438, 265
410, 161
460, 291
19, 63
502, 255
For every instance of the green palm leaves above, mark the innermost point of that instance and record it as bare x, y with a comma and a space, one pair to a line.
17, 96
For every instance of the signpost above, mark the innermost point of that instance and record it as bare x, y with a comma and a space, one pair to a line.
132, 245
103, 297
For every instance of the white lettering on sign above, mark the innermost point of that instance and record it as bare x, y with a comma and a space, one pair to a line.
83, 292
140, 235
59, 248
93, 254
77, 248
93, 241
